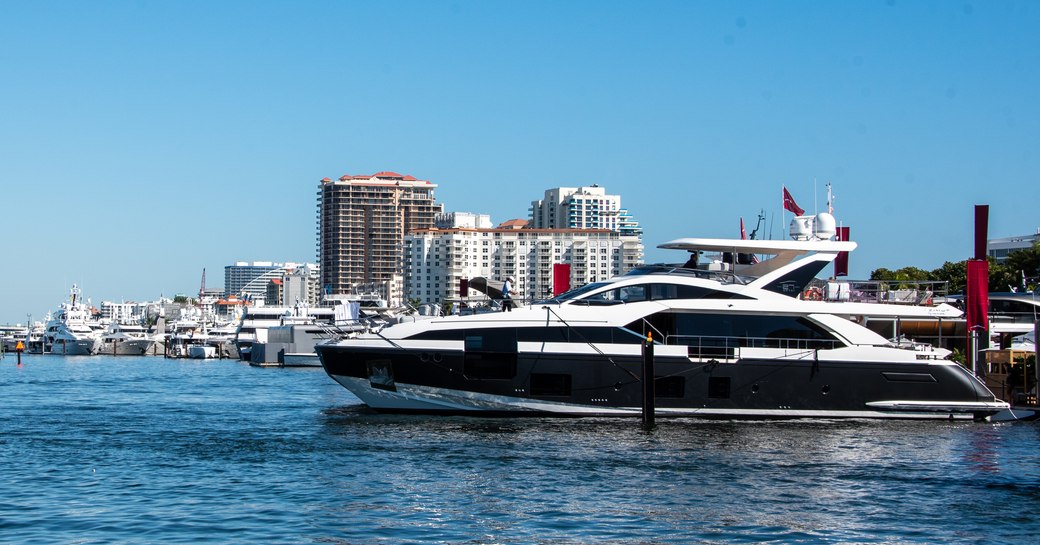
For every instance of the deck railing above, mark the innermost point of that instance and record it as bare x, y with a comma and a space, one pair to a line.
699, 346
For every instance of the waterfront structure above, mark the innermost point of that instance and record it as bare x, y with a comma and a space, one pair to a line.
437, 260
251, 278
587, 207
999, 248
362, 223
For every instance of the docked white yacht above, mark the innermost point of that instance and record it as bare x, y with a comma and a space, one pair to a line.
122, 339
257, 320
732, 338
72, 331
11, 335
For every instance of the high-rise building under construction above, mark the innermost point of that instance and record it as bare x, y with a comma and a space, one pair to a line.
362, 221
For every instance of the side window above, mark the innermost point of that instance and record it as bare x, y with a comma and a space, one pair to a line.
633, 293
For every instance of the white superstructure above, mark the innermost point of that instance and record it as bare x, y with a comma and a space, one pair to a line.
72, 330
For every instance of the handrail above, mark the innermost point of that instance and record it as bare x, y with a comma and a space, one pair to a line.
728, 347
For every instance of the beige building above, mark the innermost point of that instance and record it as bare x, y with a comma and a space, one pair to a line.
362, 222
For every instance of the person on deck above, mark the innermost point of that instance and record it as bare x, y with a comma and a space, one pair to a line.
507, 294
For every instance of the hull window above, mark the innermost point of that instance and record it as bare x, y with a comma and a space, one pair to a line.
670, 387
550, 384
718, 387
489, 366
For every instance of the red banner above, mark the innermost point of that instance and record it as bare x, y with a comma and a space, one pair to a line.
561, 278
981, 229
790, 205
976, 300
841, 262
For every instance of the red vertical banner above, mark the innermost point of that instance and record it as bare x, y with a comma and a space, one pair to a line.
977, 297
841, 262
981, 230
561, 278
464, 287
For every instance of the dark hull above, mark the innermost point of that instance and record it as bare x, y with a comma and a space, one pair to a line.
397, 380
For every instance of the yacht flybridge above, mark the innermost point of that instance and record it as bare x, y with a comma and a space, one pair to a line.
734, 338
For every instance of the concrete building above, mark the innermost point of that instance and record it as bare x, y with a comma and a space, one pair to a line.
251, 278
583, 208
301, 285
362, 222
437, 260
999, 248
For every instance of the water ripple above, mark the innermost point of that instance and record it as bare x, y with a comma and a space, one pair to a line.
147, 450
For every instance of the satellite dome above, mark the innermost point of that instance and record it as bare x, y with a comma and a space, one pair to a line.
824, 227
801, 227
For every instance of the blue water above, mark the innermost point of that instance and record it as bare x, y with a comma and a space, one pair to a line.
148, 450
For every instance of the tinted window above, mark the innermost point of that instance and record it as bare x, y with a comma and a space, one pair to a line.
680, 291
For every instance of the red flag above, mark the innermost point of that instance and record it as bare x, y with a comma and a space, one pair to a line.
743, 233
790, 205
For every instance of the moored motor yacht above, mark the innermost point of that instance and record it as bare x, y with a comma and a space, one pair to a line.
127, 339
72, 330
733, 338
256, 320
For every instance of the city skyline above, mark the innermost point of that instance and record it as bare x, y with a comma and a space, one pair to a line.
145, 142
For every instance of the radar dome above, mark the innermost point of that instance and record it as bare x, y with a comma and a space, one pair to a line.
824, 226
801, 227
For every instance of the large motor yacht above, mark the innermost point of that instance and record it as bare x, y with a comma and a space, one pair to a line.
72, 329
735, 337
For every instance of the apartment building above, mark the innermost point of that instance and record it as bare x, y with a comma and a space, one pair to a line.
587, 207
362, 222
437, 260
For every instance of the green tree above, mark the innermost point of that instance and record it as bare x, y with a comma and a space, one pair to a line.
954, 273
906, 274
1024, 263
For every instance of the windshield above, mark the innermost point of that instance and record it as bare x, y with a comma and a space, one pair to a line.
575, 293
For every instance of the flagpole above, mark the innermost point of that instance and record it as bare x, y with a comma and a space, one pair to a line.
815, 197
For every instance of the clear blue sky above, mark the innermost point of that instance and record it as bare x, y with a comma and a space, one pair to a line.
141, 142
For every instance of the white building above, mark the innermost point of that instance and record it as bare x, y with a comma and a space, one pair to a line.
302, 285
437, 260
125, 313
999, 248
252, 278
582, 208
